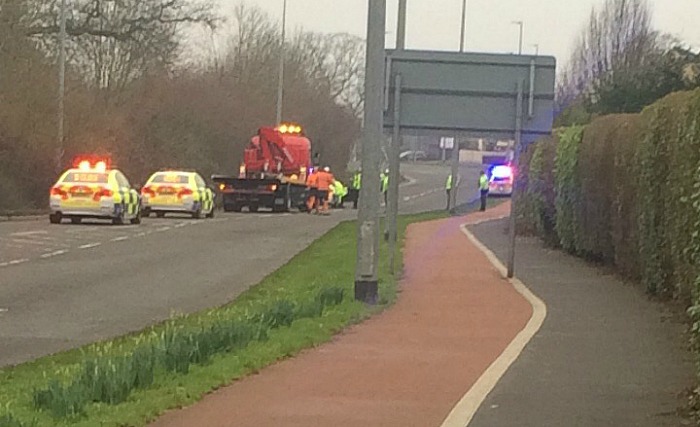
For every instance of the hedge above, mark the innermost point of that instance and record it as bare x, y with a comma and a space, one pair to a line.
627, 194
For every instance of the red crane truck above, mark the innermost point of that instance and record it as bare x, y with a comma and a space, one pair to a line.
273, 174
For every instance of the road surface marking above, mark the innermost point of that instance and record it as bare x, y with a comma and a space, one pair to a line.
28, 233
142, 234
54, 254
28, 242
463, 413
90, 245
4, 310
162, 229
120, 239
182, 224
18, 261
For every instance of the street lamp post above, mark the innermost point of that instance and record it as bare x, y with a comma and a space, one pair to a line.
280, 82
368, 232
520, 42
61, 85
537, 49
463, 33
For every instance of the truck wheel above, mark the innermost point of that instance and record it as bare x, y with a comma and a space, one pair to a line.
55, 218
76, 220
253, 208
160, 214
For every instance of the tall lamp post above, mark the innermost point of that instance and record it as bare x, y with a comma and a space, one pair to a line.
520, 42
280, 82
61, 85
366, 278
537, 49
463, 32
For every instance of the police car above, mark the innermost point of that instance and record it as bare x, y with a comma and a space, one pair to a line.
92, 189
177, 192
501, 180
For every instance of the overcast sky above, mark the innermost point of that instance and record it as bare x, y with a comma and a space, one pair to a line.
435, 24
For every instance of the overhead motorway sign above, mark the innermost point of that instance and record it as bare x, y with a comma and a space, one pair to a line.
471, 94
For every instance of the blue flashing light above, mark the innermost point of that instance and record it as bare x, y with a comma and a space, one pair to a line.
501, 171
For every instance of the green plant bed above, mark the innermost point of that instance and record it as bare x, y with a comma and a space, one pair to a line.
130, 380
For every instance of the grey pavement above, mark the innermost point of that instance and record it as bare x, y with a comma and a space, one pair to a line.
606, 354
69, 285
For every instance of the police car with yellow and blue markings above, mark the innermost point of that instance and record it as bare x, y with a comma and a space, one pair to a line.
92, 189
180, 192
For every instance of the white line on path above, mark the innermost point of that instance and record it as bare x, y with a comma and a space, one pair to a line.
18, 261
463, 413
90, 245
142, 234
53, 254
3, 310
120, 239
163, 229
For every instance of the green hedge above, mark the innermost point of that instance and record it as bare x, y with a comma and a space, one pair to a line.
626, 193
568, 189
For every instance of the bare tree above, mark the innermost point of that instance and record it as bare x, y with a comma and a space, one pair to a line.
115, 41
617, 38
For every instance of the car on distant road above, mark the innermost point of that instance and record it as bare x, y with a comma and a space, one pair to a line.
177, 192
407, 156
501, 180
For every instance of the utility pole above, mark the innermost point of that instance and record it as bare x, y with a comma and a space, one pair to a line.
394, 177
392, 207
517, 148
537, 49
61, 86
463, 33
366, 277
520, 42
280, 82
401, 27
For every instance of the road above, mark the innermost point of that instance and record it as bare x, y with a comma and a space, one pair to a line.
65, 286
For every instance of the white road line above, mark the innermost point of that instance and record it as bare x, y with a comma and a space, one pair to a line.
120, 239
142, 234
4, 310
463, 413
182, 224
18, 261
54, 254
90, 245
28, 233
162, 229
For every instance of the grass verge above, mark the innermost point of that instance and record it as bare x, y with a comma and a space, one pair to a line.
130, 380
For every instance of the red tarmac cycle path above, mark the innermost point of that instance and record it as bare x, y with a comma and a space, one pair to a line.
408, 366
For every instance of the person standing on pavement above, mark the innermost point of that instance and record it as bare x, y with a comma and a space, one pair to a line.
384, 178
356, 186
483, 189
448, 190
